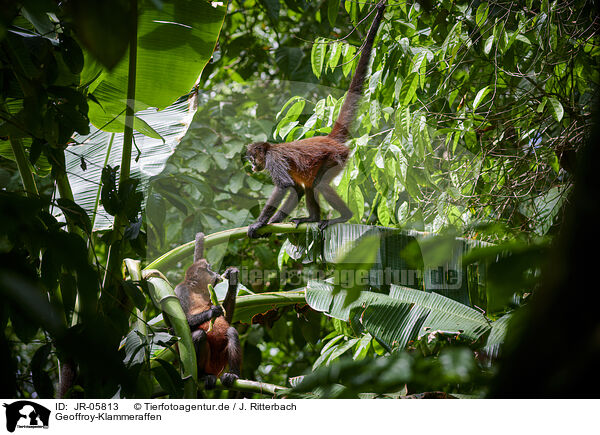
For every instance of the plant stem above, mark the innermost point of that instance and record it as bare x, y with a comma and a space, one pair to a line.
64, 190
24, 167
243, 385
187, 249
135, 274
99, 191
164, 297
113, 263
130, 108
246, 386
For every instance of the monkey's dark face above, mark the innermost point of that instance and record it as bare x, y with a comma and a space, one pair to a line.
201, 273
255, 153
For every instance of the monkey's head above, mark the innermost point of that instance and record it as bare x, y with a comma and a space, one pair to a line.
256, 154
200, 275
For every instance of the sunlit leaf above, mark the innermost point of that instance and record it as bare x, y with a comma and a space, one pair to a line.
482, 13
480, 96
556, 108
317, 56
185, 34
405, 315
409, 88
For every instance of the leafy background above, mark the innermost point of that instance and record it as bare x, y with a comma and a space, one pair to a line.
464, 156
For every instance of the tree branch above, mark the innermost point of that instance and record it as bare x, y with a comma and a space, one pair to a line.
187, 249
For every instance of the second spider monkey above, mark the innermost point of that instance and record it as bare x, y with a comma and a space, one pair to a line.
307, 166
219, 346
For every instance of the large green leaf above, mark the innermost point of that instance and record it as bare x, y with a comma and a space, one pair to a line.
164, 298
497, 336
174, 45
413, 259
317, 56
352, 266
333, 7
443, 313
545, 208
248, 306
405, 315
98, 149
557, 109
408, 89
321, 297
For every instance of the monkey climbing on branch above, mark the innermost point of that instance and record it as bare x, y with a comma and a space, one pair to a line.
307, 166
217, 346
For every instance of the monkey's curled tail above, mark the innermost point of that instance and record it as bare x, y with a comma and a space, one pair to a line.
340, 131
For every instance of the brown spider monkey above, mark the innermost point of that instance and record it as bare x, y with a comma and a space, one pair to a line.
307, 166
221, 345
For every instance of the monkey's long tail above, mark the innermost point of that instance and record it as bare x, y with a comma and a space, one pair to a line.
199, 247
347, 114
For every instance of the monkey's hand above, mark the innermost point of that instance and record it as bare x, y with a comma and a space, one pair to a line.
231, 275
210, 381
324, 224
216, 311
228, 379
195, 320
253, 228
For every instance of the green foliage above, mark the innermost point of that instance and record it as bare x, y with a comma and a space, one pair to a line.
404, 316
57, 291
459, 124
469, 116
41, 103
36, 295
472, 116
459, 134
185, 47
396, 375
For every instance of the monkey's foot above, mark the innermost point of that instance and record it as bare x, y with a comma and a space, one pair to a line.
228, 379
302, 220
328, 222
252, 231
210, 381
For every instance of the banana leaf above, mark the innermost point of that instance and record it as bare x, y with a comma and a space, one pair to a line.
98, 149
404, 315
175, 42
418, 260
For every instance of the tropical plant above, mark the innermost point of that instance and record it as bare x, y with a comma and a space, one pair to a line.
48, 76
461, 163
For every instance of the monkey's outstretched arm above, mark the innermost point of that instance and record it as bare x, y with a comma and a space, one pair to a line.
270, 208
231, 274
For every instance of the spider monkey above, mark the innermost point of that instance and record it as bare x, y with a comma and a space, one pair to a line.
221, 345
307, 166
